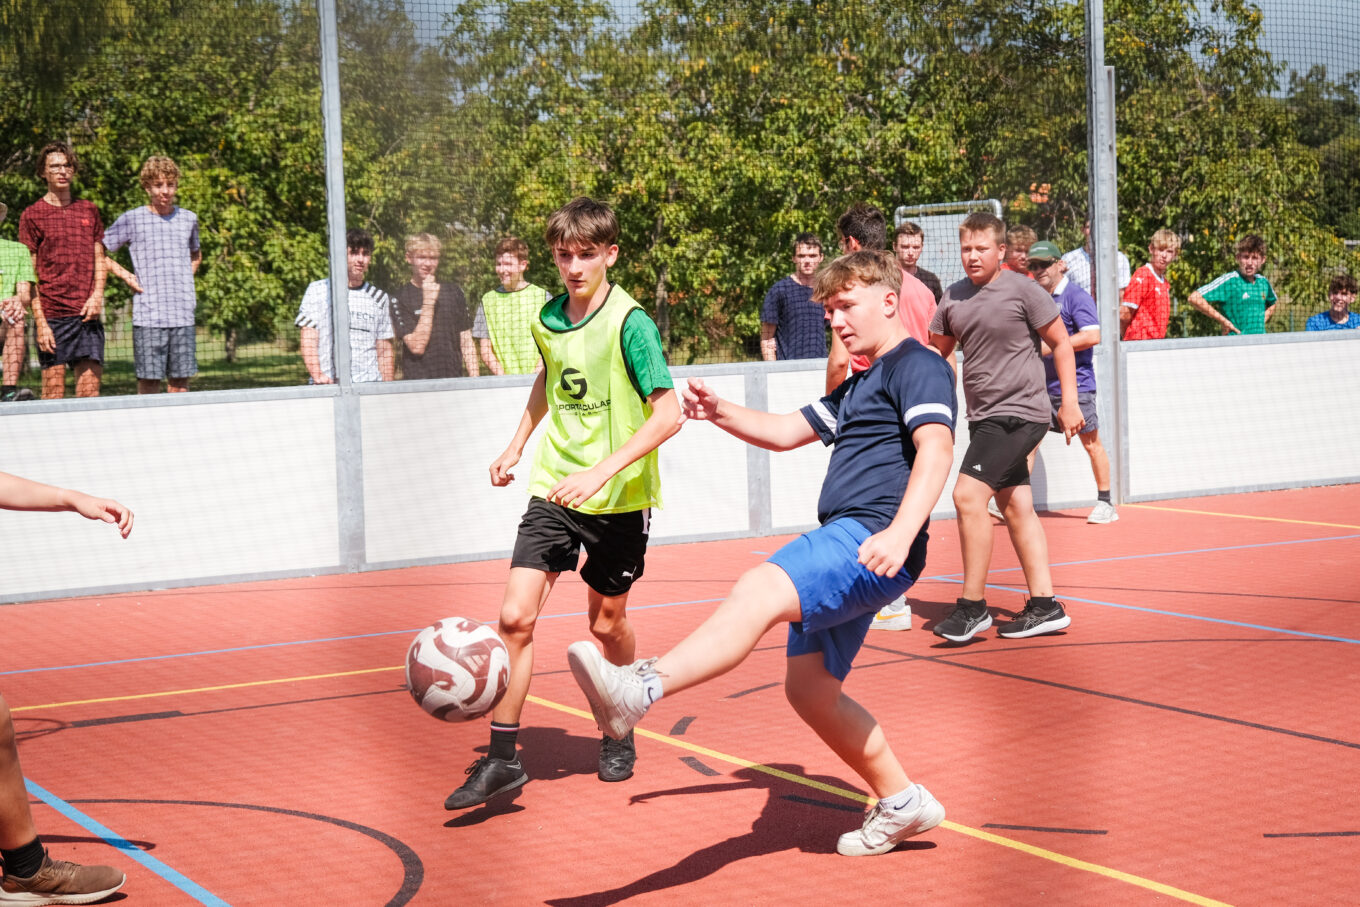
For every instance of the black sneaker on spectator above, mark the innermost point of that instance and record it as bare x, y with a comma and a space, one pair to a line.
1035, 620
617, 758
16, 395
59, 882
964, 622
487, 778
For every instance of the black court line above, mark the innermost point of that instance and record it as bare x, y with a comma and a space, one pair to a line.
841, 807
1115, 697
699, 766
1313, 834
1060, 831
120, 719
413, 869
679, 728
763, 686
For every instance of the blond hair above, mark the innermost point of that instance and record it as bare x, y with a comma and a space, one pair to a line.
1165, 239
1021, 237
867, 267
159, 167
982, 222
423, 242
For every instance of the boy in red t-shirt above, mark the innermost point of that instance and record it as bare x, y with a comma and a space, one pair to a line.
1146, 307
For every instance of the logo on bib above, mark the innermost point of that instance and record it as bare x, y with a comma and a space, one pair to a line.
573, 383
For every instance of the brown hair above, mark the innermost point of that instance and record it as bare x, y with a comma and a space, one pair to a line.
56, 148
908, 228
1251, 243
158, 167
867, 267
582, 222
981, 222
1342, 283
865, 224
513, 245
1021, 237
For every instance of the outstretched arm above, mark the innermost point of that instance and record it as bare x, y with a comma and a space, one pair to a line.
18, 493
772, 431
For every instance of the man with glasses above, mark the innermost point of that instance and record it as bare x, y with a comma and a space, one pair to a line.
1077, 310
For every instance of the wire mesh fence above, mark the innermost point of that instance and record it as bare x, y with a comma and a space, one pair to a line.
718, 131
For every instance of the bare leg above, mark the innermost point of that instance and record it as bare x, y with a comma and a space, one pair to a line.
88, 374
609, 624
148, 386
975, 532
763, 597
843, 724
526, 591
177, 385
1100, 460
54, 382
1027, 537
13, 352
16, 819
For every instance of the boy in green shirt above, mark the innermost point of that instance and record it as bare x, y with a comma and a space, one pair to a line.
1245, 298
610, 402
501, 327
16, 295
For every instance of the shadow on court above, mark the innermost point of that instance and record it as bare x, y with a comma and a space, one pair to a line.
789, 821
548, 754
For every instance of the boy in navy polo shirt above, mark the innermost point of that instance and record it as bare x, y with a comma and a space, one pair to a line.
892, 431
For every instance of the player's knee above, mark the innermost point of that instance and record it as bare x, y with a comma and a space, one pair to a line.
517, 622
609, 627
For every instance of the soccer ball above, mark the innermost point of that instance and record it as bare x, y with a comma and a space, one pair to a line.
457, 669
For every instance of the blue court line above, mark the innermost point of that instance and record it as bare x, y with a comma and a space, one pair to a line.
307, 642
173, 876
1139, 557
1158, 611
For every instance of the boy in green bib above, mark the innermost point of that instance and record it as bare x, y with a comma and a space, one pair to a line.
608, 396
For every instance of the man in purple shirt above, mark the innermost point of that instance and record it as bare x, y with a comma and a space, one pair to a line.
1078, 312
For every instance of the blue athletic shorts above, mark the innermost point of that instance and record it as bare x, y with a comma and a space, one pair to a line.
838, 595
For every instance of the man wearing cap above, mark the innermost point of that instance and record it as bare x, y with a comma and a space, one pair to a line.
16, 294
1078, 312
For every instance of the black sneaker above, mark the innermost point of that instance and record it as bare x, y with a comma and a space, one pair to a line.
964, 622
487, 777
16, 395
1034, 620
617, 758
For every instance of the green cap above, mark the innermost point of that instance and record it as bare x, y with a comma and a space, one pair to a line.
1044, 250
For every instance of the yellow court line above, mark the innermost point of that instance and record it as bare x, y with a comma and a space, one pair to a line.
978, 833
1243, 516
225, 686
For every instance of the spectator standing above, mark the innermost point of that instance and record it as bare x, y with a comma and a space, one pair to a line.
999, 319
909, 241
16, 295
502, 326
1146, 307
1081, 268
1018, 240
370, 324
431, 318
1077, 310
792, 326
1339, 317
163, 241
1243, 300
65, 235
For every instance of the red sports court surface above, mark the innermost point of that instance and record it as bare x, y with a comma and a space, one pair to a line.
1193, 737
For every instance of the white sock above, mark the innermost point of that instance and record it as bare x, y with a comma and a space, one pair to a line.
904, 801
652, 684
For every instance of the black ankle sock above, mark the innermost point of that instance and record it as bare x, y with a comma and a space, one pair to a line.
503, 741
1103, 495
8, 388
973, 603
1042, 601
23, 862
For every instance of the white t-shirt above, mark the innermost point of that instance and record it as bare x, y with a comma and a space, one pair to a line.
1078, 263
370, 320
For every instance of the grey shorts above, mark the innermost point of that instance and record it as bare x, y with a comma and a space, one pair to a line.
1087, 403
160, 353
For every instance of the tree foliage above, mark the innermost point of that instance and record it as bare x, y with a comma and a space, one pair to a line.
718, 130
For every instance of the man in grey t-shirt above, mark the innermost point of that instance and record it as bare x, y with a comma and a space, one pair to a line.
163, 240
998, 318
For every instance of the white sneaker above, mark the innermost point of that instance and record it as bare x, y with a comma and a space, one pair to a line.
995, 510
1104, 512
893, 616
617, 696
885, 828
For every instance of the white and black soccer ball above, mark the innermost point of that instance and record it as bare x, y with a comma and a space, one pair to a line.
457, 669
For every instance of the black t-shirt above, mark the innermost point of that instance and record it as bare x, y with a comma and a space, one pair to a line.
443, 357
931, 281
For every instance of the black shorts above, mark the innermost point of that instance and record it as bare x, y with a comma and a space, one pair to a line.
998, 448
76, 340
551, 536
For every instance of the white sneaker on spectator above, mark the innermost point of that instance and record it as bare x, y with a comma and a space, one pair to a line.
1104, 512
893, 616
995, 510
